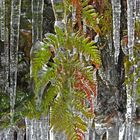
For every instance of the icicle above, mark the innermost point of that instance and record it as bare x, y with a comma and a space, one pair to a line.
116, 7
130, 91
44, 127
28, 129
51, 135
131, 9
2, 20
58, 8
6, 52
21, 134
14, 41
121, 132
2, 134
37, 20
130, 110
34, 21
37, 129
138, 10
6, 46
41, 130
9, 134
32, 130
2, 49
40, 19
129, 129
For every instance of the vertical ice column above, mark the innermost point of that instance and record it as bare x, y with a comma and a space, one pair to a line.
2, 20
2, 38
14, 42
131, 15
9, 134
21, 134
34, 20
37, 20
58, 8
40, 19
116, 10
6, 52
138, 9
121, 132
130, 107
4, 46
37, 129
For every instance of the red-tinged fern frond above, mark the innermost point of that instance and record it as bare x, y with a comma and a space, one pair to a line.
75, 3
88, 94
83, 84
80, 134
81, 87
93, 88
88, 83
97, 66
98, 4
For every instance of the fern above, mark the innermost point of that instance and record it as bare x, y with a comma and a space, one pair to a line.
66, 118
87, 47
41, 57
66, 88
70, 82
89, 14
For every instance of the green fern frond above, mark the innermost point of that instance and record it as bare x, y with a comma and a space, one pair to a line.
45, 78
60, 36
89, 14
80, 42
78, 105
87, 47
41, 57
67, 119
49, 97
52, 40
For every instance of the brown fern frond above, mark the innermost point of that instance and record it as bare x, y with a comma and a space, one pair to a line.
75, 3
99, 5
85, 85
78, 5
80, 134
